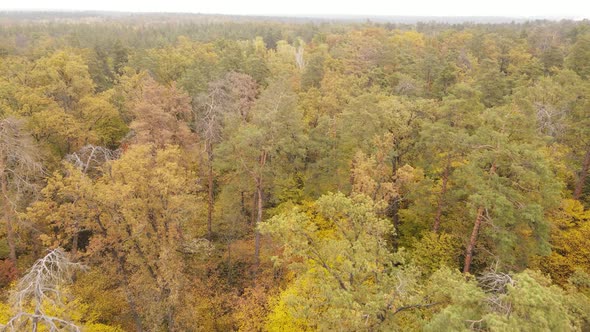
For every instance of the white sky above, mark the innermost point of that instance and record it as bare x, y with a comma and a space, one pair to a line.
513, 8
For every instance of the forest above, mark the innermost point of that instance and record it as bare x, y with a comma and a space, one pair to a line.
171, 172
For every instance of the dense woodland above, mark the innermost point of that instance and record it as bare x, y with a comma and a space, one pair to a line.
196, 173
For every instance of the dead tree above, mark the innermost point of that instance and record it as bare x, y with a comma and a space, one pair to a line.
40, 287
495, 284
91, 157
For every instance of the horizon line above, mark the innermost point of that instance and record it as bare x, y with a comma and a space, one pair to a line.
297, 15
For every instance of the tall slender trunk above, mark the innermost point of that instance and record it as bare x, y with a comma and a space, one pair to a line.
394, 203
258, 178
170, 311
475, 231
128, 294
472, 241
258, 220
253, 211
37, 248
75, 238
229, 268
10, 236
133, 309
243, 204
393, 213
583, 175
441, 197
210, 198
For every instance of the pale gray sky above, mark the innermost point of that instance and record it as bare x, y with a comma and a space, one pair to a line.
515, 8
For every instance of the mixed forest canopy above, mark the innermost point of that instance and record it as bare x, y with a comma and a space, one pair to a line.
209, 173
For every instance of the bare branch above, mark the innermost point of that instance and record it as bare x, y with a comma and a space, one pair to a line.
91, 157
39, 287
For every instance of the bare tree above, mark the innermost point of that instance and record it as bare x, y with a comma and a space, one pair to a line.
40, 287
299, 60
19, 168
496, 285
90, 157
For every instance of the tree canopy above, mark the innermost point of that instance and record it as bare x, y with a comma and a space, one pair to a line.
177, 172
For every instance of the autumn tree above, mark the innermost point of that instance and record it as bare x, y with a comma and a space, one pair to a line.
160, 202
146, 194
160, 115
19, 168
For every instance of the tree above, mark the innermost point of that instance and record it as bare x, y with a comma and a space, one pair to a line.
508, 186
100, 120
232, 96
64, 77
270, 143
559, 104
19, 167
65, 211
148, 194
493, 83
570, 228
42, 286
160, 115
345, 277
579, 56
379, 177
498, 301
443, 142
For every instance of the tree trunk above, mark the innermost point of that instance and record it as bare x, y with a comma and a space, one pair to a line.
133, 309
475, 231
583, 174
229, 268
210, 197
128, 294
243, 204
394, 204
472, 241
441, 197
35, 322
10, 237
258, 179
253, 211
258, 220
169, 319
393, 213
75, 242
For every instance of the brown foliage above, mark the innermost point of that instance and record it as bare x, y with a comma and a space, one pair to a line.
160, 115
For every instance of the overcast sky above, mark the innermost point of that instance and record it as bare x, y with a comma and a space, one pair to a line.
513, 8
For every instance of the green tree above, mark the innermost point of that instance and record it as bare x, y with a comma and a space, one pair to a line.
579, 56
508, 187
266, 148
345, 278
230, 97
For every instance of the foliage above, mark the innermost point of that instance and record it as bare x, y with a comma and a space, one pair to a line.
236, 173
345, 277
